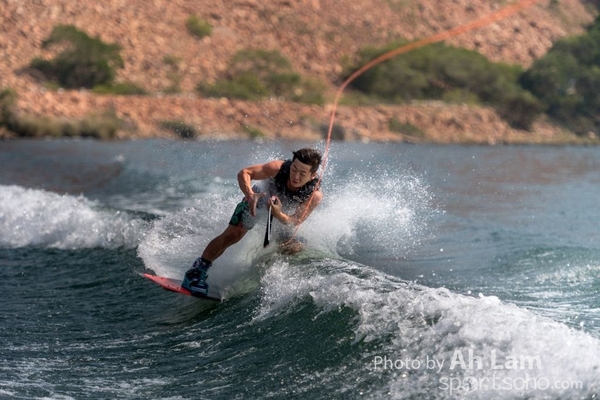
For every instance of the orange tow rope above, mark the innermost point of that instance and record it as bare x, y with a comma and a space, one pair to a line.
487, 20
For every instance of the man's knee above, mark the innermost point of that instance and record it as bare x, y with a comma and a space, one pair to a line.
291, 247
233, 234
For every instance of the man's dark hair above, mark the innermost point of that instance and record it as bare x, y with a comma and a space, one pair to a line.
308, 156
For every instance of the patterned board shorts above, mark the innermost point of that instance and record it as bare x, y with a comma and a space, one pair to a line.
241, 216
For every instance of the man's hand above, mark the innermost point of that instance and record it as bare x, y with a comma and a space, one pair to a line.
256, 172
253, 200
275, 205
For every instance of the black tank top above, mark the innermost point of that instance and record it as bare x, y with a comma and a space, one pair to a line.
299, 196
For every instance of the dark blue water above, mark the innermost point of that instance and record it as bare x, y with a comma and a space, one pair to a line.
431, 272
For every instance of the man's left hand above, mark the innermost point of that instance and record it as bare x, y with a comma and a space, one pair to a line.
275, 205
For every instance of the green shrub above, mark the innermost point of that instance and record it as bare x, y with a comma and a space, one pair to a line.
404, 128
198, 27
440, 72
256, 74
253, 132
246, 86
179, 128
338, 132
100, 126
460, 96
356, 98
172, 62
84, 62
36, 127
310, 91
119, 89
519, 109
567, 81
7, 102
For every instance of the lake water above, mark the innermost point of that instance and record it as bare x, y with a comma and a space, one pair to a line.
431, 272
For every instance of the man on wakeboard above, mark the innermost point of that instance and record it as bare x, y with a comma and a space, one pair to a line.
289, 187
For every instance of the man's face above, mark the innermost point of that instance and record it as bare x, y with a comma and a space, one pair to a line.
300, 174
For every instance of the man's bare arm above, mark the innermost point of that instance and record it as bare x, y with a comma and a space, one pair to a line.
302, 212
256, 172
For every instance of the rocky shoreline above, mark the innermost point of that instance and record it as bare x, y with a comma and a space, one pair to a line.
317, 36
222, 119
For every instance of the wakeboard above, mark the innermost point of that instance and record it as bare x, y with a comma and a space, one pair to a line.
174, 285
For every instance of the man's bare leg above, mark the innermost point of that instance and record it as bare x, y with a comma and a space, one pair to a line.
230, 236
194, 279
291, 247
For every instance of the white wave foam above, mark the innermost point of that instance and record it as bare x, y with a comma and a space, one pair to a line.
32, 217
415, 323
386, 213
389, 213
176, 240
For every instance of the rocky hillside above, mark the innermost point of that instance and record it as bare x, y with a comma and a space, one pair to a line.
316, 35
